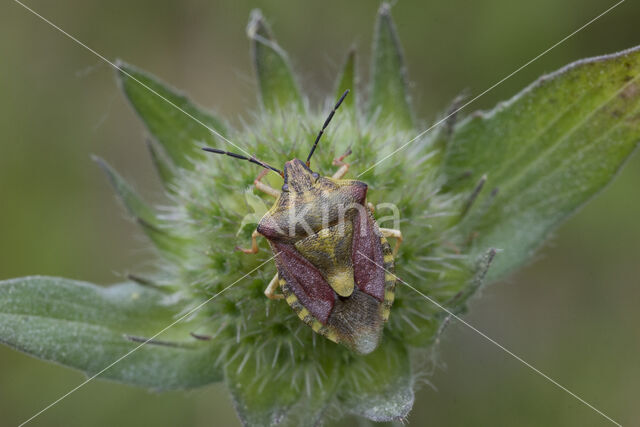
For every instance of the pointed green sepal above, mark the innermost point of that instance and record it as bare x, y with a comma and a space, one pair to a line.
179, 125
389, 96
165, 169
276, 82
348, 80
144, 215
483, 263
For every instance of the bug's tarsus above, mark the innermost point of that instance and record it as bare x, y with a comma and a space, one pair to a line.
339, 161
326, 123
344, 166
241, 157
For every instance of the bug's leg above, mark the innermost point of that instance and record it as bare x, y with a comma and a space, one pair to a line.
344, 167
270, 291
372, 208
254, 244
264, 187
396, 234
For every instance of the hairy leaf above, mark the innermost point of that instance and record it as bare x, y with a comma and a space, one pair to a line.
177, 123
507, 177
277, 85
88, 327
545, 152
166, 171
347, 80
389, 96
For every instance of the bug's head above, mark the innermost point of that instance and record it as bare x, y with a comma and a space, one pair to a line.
298, 177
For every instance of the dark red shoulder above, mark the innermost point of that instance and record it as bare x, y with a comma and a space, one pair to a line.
358, 191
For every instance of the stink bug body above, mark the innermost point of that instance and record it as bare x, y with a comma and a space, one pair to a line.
334, 262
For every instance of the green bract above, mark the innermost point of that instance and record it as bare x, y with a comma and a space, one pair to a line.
543, 153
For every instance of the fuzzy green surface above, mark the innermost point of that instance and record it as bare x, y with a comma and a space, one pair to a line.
538, 157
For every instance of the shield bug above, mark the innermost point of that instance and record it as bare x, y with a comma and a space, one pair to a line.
327, 244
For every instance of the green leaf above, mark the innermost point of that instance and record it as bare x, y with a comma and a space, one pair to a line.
545, 152
379, 386
277, 85
389, 98
85, 327
473, 284
166, 171
153, 227
180, 126
347, 80
266, 393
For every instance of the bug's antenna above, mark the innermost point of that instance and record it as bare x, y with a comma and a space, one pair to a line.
326, 123
241, 157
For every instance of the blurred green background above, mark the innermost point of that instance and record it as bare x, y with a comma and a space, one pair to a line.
573, 313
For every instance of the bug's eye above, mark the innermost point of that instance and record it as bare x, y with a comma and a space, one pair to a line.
315, 175
285, 187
